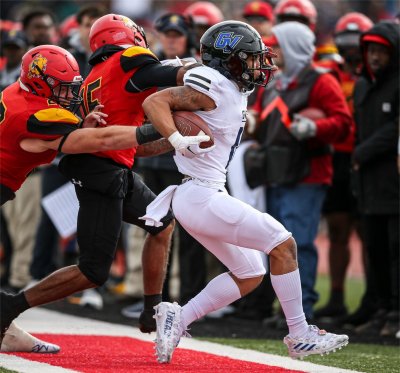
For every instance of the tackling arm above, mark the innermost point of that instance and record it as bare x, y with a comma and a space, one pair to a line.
86, 140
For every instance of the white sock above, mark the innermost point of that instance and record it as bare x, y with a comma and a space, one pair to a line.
219, 292
288, 290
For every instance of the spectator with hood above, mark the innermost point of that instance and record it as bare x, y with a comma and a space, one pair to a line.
376, 104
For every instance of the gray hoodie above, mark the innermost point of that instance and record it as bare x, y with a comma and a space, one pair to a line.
297, 46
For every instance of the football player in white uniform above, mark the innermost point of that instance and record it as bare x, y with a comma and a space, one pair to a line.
235, 60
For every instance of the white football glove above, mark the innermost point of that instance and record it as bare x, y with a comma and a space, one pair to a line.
175, 62
188, 146
302, 128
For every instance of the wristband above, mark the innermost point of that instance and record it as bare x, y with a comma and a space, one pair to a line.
175, 139
146, 133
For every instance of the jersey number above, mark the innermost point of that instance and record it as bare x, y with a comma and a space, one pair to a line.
235, 145
2, 109
89, 102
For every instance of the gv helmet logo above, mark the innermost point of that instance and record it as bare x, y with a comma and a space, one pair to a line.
227, 41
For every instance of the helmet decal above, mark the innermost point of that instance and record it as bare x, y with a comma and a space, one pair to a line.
37, 67
128, 22
227, 41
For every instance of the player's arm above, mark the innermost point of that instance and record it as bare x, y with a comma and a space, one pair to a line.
154, 148
150, 72
90, 140
159, 105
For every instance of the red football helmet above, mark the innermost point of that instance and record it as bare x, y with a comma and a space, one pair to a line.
296, 10
349, 28
353, 22
52, 72
116, 30
204, 13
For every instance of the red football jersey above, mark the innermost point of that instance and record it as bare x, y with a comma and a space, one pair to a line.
107, 84
25, 115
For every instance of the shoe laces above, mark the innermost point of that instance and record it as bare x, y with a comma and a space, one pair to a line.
315, 334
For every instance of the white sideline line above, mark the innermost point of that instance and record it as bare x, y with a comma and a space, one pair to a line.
44, 321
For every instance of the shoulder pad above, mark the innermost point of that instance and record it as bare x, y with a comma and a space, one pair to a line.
136, 56
53, 121
56, 115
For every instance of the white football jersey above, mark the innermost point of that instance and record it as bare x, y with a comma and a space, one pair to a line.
226, 122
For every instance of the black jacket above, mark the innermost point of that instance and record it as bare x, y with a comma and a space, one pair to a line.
376, 109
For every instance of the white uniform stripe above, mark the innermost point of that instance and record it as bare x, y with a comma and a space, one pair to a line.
194, 77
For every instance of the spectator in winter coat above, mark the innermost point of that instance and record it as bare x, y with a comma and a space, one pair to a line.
299, 160
376, 104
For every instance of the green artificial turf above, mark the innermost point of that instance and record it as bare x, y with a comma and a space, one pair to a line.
360, 357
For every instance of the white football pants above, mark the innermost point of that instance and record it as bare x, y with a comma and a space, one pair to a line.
228, 227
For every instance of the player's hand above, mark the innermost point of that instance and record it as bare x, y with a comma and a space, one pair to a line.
95, 118
188, 144
303, 128
195, 151
176, 62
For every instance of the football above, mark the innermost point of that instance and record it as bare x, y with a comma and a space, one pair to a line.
312, 113
190, 124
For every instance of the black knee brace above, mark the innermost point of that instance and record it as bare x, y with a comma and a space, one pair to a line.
95, 267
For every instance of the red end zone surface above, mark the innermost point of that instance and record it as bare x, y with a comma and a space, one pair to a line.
104, 354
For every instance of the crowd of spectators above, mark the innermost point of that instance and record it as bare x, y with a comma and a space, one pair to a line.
337, 162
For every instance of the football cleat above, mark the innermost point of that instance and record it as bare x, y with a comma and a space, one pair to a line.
315, 342
17, 340
170, 329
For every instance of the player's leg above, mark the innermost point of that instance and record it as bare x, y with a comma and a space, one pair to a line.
99, 224
155, 250
246, 273
18, 340
224, 218
12, 338
340, 226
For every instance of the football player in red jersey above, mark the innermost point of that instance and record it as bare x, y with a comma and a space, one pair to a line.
36, 107
124, 73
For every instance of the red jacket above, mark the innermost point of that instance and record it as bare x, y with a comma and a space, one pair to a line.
327, 95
